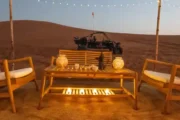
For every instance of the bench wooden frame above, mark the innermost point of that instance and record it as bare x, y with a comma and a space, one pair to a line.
165, 88
15, 83
85, 57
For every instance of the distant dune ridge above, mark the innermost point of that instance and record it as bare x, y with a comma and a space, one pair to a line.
41, 40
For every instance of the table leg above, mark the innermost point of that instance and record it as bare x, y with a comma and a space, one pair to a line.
51, 83
121, 82
42, 92
135, 92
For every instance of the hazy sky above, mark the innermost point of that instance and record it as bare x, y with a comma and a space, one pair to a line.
134, 16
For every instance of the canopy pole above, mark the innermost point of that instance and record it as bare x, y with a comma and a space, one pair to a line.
93, 22
12, 55
157, 30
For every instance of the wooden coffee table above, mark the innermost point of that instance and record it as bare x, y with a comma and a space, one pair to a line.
109, 73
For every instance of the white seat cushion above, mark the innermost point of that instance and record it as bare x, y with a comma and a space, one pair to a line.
162, 77
16, 73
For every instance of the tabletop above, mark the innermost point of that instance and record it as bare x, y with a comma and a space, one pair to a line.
71, 69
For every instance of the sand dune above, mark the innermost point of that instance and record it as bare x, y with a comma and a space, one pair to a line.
41, 40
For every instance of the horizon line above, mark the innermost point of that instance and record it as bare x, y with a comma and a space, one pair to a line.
88, 29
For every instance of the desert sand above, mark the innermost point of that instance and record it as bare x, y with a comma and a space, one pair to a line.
41, 40
150, 103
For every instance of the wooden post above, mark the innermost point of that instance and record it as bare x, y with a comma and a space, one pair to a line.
157, 30
93, 21
12, 55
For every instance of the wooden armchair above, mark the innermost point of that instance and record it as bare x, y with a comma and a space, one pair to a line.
16, 78
162, 81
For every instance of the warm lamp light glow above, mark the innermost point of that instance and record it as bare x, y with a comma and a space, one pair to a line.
87, 91
81, 91
107, 91
95, 92
69, 91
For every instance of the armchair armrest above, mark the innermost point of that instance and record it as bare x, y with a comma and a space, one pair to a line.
29, 59
173, 73
177, 66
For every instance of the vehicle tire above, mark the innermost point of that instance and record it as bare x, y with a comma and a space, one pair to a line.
114, 51
120, 50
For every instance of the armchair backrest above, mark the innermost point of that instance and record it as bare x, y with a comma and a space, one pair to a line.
157, 64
